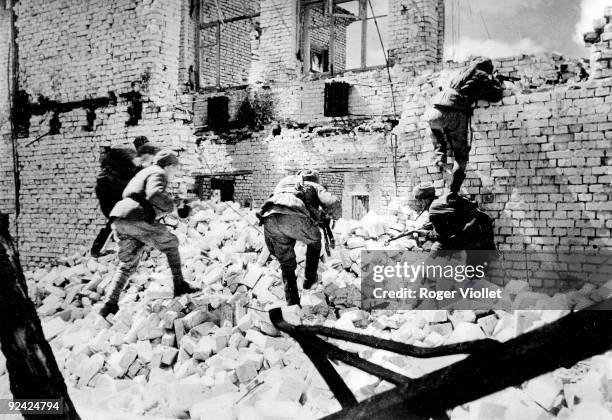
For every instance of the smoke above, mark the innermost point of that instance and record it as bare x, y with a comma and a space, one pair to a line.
589, 11
507, 7
490, 48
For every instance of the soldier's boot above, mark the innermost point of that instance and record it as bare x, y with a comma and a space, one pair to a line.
108, 308
292, 295
313, 253
440, 146
181, 287
440, 161
119, 281
458, 178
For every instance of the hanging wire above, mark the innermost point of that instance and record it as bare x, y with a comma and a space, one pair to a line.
382, 46
485, 25
219, 12
393, 137
458, 22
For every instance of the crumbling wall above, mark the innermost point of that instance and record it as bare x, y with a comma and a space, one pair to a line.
70, 51
372, 94
540, 166
243, 186
269, 158
540, 161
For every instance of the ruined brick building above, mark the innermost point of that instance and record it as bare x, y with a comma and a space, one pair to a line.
217, 77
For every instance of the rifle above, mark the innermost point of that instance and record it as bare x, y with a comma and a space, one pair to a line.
419, 235
325, 225
504, 78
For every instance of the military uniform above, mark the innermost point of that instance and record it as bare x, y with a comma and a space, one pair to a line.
451, 110
292, 214
463, 236
118, 169
134, 225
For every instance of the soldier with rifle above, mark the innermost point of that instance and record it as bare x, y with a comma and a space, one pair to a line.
424, 195
455, 223
451, 111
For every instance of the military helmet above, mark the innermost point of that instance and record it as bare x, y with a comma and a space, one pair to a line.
424, 191
309, 175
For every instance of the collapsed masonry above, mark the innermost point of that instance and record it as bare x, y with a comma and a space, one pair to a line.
540, 166
216, 354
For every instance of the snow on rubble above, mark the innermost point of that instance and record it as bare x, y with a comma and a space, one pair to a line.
216, 355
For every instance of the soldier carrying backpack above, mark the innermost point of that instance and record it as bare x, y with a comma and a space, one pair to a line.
292, 213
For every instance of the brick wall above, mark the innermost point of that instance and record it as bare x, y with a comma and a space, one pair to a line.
243, 186
187, 49
372, 95
6, 162
270, 158
278, 41
235, 43
73, 50
302, 101
541, 160
334, 182
416, 32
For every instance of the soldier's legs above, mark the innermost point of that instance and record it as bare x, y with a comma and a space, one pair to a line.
436, 120
302, 229
157, 236
313, 252
282, 247
458, 138
130, 251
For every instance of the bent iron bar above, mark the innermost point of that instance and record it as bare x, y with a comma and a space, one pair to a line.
490, 367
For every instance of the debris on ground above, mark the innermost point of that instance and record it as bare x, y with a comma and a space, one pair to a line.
215, 353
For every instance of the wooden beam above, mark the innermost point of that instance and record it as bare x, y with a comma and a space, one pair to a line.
563, 343
31, 365
211, 24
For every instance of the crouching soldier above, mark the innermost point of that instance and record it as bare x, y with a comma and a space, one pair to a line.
134, 224
452, 109
423, 196
292, 214
460, 225
463, 237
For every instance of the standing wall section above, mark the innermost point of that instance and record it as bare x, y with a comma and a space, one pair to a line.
74, 50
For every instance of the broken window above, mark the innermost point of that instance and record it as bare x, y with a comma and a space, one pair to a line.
225, 39
338, 34
225, 188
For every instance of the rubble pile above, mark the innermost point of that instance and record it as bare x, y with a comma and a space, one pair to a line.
215, 354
